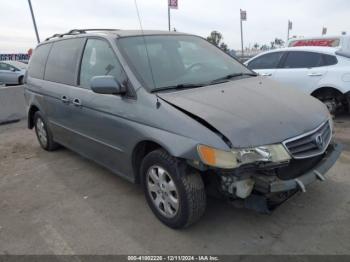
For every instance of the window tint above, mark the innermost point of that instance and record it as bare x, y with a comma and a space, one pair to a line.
301, 59
268, 61
98, 60
37, 61
62, 61
329, 60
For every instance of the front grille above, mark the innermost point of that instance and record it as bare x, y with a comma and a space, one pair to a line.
310, 144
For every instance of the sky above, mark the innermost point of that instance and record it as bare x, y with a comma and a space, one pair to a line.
266, 19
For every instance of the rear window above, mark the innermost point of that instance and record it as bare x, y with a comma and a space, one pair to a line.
301, 59
37, 61
329, 60
63, 59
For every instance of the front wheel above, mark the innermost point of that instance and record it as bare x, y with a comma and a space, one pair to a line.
174, 192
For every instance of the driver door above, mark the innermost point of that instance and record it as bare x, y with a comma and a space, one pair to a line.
99, 121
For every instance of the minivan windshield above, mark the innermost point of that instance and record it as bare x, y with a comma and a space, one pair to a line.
178, 61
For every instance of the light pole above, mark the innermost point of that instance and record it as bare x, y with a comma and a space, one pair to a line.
34, 23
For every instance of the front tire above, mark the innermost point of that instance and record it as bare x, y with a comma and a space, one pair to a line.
43, 133
174, 192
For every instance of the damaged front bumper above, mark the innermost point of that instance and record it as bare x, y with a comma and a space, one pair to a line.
316, 173
266, 191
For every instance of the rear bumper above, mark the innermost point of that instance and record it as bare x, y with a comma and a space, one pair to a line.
317, 173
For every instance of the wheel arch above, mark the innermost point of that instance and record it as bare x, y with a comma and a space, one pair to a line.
141, 149
326, 90
31, 112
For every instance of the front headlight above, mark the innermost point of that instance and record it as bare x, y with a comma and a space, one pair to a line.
237, 157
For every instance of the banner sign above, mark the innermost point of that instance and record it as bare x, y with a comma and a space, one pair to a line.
290, 25
173, 4
243, 15
332, 42
14, 57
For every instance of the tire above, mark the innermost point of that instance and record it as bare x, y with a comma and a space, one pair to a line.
187, 188
20, 80
41, 129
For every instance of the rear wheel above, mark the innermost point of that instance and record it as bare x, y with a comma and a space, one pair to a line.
20, 80
43, 133
174, 192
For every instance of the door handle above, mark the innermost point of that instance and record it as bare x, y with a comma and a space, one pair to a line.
266, 74
65, 99
76, 102
315, 74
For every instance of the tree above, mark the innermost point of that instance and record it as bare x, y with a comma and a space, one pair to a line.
256, 45
215, 38
224, 47
264, 47
279, 42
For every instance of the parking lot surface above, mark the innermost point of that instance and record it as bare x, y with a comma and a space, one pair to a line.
61, 203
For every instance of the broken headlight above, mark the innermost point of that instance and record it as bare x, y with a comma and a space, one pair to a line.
237, 157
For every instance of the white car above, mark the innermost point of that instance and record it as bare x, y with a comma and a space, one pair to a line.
12, 72
323, 72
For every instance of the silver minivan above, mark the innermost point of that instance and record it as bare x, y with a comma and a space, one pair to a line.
178, 115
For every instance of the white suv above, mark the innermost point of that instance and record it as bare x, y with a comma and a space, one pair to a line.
323, 72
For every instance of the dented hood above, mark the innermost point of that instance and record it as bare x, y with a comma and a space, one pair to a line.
252, 111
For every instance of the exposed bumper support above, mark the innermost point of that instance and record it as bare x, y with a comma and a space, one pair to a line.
317, 173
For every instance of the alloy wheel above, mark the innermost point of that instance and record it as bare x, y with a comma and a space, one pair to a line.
162, 191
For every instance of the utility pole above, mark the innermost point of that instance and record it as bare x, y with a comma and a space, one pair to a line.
34, 23
290, 27
243, 17
169, 26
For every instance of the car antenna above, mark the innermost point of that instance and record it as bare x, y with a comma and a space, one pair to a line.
147, 54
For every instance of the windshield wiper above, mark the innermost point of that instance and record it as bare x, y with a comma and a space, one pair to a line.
230, 76
179, 86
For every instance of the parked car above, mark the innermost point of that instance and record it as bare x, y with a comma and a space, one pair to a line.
12, 72
178, 115
323, 72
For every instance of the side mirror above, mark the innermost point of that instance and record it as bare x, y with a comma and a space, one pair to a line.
13, 69
107, 85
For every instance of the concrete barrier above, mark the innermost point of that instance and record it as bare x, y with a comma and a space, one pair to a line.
12, 104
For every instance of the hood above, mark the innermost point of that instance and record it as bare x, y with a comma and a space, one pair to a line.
251, 111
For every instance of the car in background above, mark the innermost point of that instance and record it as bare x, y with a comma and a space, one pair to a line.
12, 72
323, 72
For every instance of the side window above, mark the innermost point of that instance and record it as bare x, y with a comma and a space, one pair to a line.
63, 59
329, 60
98, 60
5, 67
268, 61
37, 61
301, 59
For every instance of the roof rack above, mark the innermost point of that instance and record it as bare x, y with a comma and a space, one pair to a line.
78, 31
